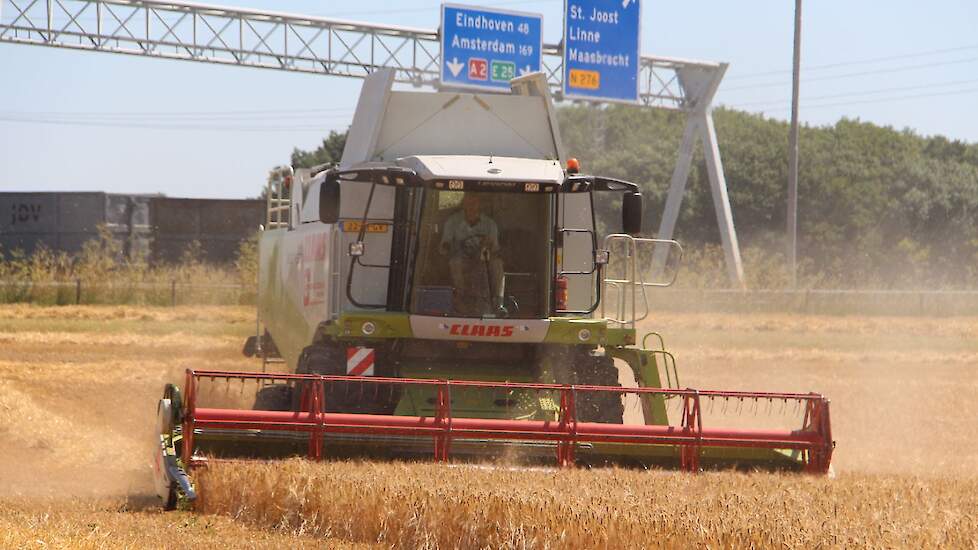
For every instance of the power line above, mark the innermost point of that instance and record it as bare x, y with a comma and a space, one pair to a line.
282, 119
880, 100
171, 118
180, 127
858, 62
860, 73
865, 92
187, 113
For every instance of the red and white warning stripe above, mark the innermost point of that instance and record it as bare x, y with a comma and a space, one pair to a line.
360, 361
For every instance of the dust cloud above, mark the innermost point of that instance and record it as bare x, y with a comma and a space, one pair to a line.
78, 403
902, 389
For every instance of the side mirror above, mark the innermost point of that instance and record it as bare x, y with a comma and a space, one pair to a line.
329, 200
631, 213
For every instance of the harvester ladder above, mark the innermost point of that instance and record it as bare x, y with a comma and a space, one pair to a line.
278, 215
279, 199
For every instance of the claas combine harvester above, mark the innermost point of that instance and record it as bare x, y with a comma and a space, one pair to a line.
443, 293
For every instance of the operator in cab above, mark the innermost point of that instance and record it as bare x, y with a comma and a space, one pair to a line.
471, 241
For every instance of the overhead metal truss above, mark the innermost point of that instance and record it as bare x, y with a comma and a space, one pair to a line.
232, 36
317, 45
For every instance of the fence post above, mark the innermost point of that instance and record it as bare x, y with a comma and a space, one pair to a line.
77, 291
173, 293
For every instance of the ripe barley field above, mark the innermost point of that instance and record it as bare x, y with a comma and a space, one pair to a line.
78, 390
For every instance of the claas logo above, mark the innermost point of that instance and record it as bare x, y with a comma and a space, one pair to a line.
460, 329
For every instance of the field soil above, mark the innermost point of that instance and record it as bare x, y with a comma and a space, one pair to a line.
79, 385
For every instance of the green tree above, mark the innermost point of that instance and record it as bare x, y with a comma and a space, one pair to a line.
878, 207
331, 150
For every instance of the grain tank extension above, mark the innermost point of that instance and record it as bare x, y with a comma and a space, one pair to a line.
443, 293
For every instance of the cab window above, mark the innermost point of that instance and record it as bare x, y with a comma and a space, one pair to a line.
483, 254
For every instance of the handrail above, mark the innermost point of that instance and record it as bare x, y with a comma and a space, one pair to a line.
634, 277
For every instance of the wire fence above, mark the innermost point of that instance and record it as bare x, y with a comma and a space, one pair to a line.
810, 301
819, 301
89, 292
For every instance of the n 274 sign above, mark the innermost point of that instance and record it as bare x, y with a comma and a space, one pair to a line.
601, 49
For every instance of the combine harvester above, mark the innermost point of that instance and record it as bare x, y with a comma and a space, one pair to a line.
442, 293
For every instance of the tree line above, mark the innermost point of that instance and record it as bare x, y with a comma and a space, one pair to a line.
878, 207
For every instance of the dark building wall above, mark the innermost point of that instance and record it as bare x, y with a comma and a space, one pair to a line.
218, 224
64, 221
156, 228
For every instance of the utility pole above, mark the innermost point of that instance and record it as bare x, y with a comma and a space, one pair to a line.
793, 155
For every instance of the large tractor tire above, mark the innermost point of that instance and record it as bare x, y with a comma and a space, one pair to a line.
606, 407
347, 397
275, 397
576, 365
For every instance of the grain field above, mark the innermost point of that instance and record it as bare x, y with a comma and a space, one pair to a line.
78, 388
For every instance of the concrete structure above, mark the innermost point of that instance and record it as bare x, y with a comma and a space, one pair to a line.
156, 228
218, 224
65, 221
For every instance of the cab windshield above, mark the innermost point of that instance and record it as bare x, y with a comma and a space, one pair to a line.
483, 254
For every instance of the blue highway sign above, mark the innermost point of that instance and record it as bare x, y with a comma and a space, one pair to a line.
601, 49
486, 48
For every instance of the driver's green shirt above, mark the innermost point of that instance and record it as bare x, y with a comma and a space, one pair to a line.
458, 230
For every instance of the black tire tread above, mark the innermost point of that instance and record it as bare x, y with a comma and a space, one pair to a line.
275, 397
578, 366
326, 359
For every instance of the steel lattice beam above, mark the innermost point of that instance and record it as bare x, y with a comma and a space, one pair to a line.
231, 36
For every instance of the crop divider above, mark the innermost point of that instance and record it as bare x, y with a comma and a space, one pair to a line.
567, 424
443, 417
317, 405
692, 426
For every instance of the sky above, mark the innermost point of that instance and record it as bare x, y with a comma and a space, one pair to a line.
83, 121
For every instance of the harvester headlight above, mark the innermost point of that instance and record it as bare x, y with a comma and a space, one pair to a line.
368, 328
584, 335
357, 249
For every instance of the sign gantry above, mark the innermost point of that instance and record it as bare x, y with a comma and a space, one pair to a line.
281, 41
298, 43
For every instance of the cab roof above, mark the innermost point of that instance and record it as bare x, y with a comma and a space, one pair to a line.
485, 168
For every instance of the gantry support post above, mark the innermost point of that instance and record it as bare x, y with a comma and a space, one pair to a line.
700, 84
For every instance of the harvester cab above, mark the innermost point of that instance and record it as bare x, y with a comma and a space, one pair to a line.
444, 292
